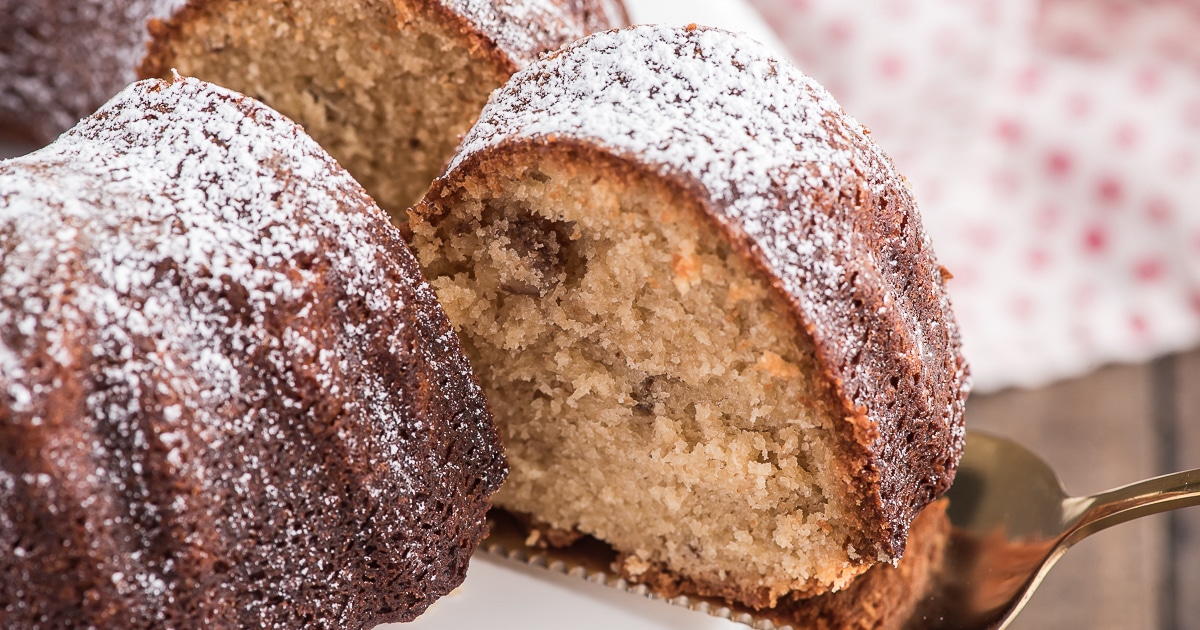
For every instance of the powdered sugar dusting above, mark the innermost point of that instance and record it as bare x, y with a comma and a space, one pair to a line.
739, 123
523, 29
194, 294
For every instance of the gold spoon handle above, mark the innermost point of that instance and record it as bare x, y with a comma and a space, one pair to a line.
1085, 516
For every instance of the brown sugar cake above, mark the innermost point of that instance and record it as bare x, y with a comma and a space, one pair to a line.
386, 86
227, 397
704, 310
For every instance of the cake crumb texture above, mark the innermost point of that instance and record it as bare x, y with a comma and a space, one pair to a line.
658, 419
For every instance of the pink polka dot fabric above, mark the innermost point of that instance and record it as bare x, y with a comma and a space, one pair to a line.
1054, 146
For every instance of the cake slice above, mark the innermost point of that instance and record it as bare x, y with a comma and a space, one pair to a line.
704, 310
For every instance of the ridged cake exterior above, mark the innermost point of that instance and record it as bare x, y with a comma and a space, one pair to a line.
227, 397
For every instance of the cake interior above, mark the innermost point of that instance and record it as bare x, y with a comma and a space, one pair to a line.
384, 88
651, 388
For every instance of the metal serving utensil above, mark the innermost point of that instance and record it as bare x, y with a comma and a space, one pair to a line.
1011, 521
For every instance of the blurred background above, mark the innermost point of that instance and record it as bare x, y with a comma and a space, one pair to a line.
1054, 148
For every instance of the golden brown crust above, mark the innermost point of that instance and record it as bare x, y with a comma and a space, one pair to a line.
519, 32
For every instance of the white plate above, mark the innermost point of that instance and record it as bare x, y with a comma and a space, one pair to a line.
500, 594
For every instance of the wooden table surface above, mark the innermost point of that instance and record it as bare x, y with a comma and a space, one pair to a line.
1115, 426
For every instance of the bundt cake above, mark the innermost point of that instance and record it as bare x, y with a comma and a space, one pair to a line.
704, 311
386, 86
227, 397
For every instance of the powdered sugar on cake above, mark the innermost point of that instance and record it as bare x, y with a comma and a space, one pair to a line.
149, 215
740, 122
525, 28
168, 257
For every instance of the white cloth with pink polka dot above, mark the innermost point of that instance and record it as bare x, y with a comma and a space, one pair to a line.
1054, 148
